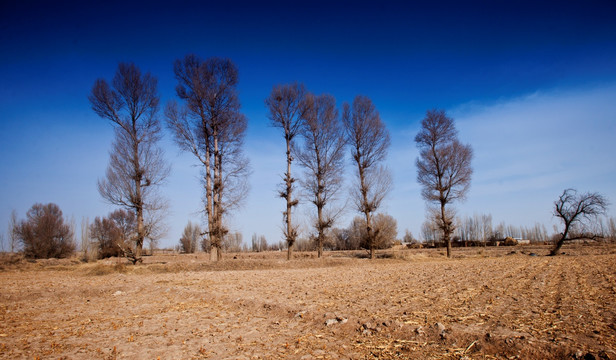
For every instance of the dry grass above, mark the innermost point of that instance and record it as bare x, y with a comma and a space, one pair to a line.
490, 303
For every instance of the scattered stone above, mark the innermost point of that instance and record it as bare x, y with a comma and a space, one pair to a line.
578, 354
117, 293
336, 320
420, 331
300, 314
330, 322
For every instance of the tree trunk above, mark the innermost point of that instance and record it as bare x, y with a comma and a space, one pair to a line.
560, 242
289, 180
138, 198
370, 234
446, 230
320, 235
140, 236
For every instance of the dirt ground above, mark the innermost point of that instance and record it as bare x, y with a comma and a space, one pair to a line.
503, 303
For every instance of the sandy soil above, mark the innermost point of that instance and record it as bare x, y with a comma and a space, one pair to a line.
482, 304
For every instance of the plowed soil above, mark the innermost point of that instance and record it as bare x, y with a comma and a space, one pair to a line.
481, 304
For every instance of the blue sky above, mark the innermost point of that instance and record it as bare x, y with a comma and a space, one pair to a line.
532, 86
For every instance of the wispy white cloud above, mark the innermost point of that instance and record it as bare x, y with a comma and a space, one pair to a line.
528, 149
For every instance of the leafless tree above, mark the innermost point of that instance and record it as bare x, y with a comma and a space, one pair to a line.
443, 168
136, 165
477, 228
323, 158
211, 127
258, 243
105, 234
369, 140
190, 238
576, 210
384, 236
86, 246
12, 232
45, 233
113, 234
287, 105
233, 242
429, 230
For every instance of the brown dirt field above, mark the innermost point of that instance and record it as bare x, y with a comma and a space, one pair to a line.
482, 304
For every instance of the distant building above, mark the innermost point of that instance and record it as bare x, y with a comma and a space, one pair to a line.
522, 241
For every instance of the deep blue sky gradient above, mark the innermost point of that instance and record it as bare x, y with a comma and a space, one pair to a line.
469, 58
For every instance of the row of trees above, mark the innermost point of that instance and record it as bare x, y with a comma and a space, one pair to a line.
321, 153
207, 123
479, 228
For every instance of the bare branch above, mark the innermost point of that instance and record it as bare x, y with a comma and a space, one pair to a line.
287, 107
323, 159
577, 211
211, 127
369, 140
443, 168
136, 163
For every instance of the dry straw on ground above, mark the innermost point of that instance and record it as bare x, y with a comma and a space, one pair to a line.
499, 303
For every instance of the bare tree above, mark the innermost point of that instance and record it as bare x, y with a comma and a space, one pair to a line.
429, 230
136, 165
45, 233
190, 238
88, 253
258, 243
369, 140
233, 242
114, 233
12, 232
385, 232
443, 168
211, 127
323, 159
286, 106
576, 210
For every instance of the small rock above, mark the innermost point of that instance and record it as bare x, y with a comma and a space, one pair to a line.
420, 331
440, 327
578, 354
300, 314
330, 322
117, 293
